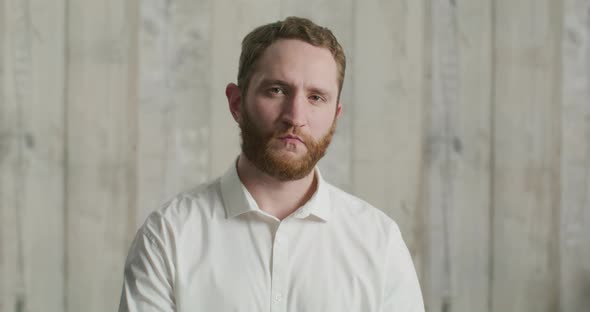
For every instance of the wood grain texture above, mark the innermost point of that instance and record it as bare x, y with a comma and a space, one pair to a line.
575, 158
101, 123
526, 156
389, 80
337, 164
11, 283
42, 157
458, 158
34, 85
175, 90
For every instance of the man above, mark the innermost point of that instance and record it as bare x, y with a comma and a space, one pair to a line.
271, 234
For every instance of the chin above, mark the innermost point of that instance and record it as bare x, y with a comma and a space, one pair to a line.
288, 155
289, 149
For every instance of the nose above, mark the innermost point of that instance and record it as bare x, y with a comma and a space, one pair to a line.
294, 110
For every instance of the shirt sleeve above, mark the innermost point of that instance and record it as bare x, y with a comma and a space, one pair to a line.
402, 290
148, 277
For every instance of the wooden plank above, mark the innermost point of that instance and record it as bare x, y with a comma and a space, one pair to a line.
458, 160
230, 22
35, 82
575, 158
101, 155
388, 61
43, 155
11, 283
336, 166
174, 111
526, 151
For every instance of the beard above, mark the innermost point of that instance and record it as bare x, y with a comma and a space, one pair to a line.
257, 146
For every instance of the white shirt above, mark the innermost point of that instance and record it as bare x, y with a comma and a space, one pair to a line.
213, 249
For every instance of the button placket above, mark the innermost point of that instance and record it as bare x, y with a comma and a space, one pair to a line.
278, 297
278, 269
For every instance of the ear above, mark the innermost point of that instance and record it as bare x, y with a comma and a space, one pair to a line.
234, 100
338, 110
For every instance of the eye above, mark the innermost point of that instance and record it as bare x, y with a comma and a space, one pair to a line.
276, 90
316, 98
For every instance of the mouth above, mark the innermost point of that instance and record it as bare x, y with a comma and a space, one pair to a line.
291, 138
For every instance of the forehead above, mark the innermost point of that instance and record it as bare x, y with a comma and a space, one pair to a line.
297, 62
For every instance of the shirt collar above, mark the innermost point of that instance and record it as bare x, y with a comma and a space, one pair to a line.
237, 200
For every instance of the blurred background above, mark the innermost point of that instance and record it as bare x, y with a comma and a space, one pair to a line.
467, 121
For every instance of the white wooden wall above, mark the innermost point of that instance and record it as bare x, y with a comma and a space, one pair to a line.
467, 121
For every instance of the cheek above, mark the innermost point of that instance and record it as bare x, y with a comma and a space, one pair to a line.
264, 115
321, 123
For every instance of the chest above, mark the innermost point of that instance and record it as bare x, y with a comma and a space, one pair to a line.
266, 270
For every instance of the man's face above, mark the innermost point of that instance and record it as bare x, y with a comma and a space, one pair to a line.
289, 113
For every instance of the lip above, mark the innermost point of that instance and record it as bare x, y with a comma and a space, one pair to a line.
291, 137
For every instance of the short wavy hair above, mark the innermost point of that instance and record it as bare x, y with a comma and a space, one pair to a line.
256, 42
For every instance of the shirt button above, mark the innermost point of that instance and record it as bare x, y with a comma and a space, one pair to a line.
278, 297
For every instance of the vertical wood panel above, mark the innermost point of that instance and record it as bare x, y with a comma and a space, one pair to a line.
575, 158
231, 21
42, 156
389, 66
33, 85
101, 140
458, 164
526, 156
11, 283
175, 90
336, 166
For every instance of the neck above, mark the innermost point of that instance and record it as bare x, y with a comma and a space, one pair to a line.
276, 197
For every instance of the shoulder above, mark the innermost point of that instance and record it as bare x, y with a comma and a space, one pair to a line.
188, 206
164, 228
360, 213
